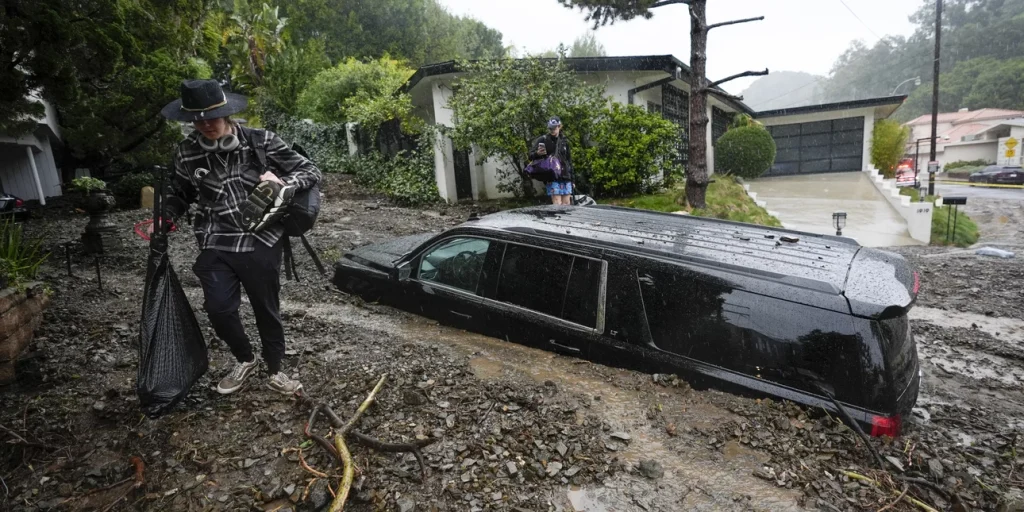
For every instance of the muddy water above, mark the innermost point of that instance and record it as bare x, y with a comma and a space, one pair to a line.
1008, 329
696, 478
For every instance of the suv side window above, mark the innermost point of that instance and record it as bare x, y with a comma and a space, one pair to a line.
683, 312
534, 278
458, 263
584, 292
552, 283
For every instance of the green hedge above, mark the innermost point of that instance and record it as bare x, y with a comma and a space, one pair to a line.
746, 152
127, 190
966, 163
406, 178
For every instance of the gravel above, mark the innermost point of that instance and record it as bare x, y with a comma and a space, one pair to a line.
517, 428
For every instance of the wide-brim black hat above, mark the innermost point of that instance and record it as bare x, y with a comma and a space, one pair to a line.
203, 99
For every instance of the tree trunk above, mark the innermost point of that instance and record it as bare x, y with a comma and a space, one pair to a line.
697, 167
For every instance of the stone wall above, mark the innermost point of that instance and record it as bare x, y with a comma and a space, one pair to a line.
21, 312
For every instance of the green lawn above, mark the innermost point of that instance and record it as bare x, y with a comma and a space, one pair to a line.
966, 230
726, 200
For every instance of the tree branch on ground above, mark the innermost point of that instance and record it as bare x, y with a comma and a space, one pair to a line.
339, 451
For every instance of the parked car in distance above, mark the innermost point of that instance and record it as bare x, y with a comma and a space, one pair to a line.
815, 319
12, 207
999, 174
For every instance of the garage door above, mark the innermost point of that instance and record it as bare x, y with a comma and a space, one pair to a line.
821, 146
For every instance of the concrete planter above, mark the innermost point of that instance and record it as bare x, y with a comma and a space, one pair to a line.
21, 312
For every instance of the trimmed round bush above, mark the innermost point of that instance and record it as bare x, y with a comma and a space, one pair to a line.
746, 152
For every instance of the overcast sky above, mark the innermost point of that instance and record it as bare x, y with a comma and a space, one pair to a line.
796, 35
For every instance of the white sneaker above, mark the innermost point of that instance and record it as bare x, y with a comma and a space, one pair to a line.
234, 380
283, 384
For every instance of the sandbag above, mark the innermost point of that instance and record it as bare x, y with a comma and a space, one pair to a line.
172, 351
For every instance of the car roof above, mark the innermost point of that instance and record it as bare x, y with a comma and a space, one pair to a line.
816, 261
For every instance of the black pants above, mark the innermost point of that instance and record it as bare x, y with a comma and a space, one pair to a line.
223, 275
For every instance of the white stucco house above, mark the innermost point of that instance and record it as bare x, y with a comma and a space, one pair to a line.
28, 168
820, 138
990, 134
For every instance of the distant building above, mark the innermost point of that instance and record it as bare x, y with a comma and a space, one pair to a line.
28, 169
990, 134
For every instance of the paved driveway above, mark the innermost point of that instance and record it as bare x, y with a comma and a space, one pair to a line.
806, 203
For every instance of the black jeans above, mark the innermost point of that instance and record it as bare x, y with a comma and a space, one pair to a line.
223, 275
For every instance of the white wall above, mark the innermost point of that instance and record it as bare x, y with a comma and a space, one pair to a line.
16, 171
981, 150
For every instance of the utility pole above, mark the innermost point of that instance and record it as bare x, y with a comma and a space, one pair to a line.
935, 96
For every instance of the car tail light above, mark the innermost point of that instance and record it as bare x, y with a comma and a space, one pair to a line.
885, 426
917, 282
18, 203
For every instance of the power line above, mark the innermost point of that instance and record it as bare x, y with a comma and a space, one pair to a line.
860, 20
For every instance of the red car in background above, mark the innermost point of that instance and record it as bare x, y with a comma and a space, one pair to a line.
906, 175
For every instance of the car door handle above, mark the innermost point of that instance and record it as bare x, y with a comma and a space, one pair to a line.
564, 347
463, 315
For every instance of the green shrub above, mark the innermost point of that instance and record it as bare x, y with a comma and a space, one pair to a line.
19, 258
127, 190
356, 91
327, 144
406, 178
629, 148
888, 144
87, 184
966, 163
747, 152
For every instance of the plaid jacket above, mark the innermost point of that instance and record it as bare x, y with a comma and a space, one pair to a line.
218, 219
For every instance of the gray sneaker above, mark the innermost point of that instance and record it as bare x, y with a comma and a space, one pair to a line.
283, 384
234, 380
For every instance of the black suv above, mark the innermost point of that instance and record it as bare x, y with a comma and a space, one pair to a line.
815, 319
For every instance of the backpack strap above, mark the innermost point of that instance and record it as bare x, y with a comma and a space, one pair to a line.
312, 254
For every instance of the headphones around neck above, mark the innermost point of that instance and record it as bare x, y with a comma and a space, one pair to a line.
224, 144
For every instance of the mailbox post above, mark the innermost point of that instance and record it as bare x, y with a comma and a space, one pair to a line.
955, 202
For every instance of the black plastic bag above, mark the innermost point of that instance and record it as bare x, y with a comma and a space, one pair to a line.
172, 351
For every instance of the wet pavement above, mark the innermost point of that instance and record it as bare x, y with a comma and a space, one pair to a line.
806, 203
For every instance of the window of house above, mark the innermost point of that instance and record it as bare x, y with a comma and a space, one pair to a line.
458, 263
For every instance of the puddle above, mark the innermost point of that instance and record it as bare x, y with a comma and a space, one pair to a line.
1008, 329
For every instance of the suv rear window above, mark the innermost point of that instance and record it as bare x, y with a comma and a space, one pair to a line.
552, 283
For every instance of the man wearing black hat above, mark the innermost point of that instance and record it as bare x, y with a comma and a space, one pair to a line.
217, 167
555, 144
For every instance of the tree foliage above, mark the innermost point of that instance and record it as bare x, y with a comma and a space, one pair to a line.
981, 52
419, 31
747, 152
356, 91
289, 73
888, 144
604, 12
108, 66
630, 149
501, 106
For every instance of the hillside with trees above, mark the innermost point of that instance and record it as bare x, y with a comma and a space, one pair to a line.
783, 89
982, 60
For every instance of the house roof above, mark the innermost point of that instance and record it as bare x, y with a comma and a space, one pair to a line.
885, 101
666, 63
984, 114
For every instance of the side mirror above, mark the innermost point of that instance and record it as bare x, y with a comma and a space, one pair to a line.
404, 271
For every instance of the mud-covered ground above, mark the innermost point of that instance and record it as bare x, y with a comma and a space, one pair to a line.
515, 428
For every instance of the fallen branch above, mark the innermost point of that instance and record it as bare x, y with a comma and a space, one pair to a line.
914, 501
897, 500
413, 448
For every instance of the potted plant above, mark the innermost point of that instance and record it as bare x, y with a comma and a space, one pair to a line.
99, 232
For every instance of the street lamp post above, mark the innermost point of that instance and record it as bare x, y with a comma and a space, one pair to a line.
839, 221
916, 80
